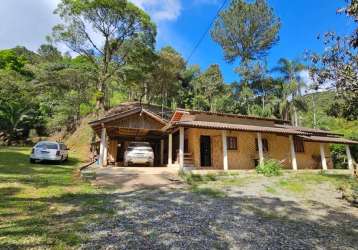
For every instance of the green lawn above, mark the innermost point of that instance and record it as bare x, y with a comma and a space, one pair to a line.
44, 205
290, 183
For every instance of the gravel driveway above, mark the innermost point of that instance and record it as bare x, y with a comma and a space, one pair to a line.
126, 179
180, 219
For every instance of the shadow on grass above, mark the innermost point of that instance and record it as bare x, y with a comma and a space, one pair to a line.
15, 167
157, 219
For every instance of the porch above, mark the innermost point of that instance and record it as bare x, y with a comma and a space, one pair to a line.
219, 149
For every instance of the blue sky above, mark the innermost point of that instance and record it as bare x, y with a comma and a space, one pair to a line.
182, 22
302, 21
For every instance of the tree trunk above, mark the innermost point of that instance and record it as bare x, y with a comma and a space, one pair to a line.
295, 116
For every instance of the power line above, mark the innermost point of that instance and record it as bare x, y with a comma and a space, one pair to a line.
206, 31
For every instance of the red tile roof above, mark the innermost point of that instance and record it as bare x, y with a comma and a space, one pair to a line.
193, 112
328, 139
309, 130
239, 127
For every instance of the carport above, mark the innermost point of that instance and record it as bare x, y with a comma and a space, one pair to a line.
116, 131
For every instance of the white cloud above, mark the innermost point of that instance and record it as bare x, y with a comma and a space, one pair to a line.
26, 23
161, 10
306, 78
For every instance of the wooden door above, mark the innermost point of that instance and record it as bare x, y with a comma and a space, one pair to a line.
205, 151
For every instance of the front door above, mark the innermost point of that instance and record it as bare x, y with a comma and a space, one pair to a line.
205, 151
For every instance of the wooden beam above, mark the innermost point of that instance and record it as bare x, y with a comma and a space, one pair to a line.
161, 152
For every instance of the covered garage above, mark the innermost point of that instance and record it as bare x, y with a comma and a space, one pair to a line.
133, 123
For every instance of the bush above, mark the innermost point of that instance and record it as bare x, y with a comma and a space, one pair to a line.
269, 168
349, 192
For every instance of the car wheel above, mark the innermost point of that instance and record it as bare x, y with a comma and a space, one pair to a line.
32, 160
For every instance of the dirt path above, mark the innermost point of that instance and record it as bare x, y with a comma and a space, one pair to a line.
126, 179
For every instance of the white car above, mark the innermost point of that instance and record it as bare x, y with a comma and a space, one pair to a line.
139, 153
49, 151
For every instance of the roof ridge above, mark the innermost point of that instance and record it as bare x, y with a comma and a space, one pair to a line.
231, 114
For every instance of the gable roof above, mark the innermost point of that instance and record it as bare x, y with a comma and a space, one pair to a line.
162, 112
126, 113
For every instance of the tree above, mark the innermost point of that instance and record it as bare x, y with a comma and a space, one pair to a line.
65, 88
246, 30
98, 29
10, 61
211, 85
290, 71
18, 104
49, 53
352, 11
168, 75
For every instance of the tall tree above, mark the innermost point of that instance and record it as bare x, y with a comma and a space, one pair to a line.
246, 30
97, 29
337, 65
210, 86
290, 71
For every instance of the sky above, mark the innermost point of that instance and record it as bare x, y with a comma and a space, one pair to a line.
181, 23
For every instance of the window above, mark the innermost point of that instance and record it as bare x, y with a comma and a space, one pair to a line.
231, 143
299, 145
264, 145
47, 145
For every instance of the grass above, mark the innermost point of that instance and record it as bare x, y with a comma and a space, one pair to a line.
208, 191
213, 185
45, 205
301, 183
80, 140
216, 185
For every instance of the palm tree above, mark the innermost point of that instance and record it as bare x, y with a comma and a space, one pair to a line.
290, 71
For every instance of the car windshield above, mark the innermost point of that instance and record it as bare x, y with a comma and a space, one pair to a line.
143, 149
47, 146
139, 144
139, 148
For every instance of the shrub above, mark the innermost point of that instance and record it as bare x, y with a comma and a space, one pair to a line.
350, 192
193, 179
269, 168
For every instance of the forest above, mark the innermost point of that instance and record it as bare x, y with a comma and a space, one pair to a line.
46, 91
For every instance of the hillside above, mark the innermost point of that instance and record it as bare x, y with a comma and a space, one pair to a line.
80, 141
324, 101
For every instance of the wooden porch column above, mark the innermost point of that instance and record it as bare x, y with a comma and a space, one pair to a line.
225, 159
181, 147
349, 157
293, 153
102, 146
161, 152
261, 151
323, 157
170, 149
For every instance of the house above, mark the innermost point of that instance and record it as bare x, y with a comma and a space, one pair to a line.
210, 140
